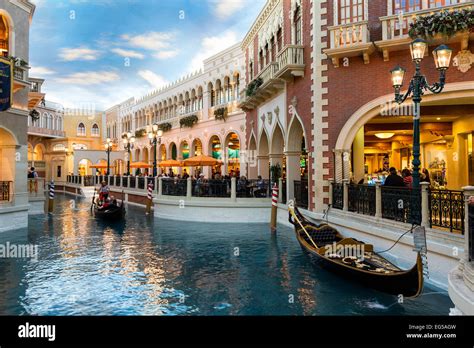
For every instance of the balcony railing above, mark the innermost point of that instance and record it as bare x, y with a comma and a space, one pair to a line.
46, 132
397, 26
362, 199
301, 193
349, 34
5, 191
20, 73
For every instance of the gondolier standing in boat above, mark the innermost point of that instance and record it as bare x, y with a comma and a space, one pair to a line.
103, 191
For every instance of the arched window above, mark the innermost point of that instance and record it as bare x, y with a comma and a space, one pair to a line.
95, 130
4, 37
297, 24
81, 129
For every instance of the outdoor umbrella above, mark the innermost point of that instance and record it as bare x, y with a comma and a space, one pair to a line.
99, 166
170, 163
140, 165
201, 160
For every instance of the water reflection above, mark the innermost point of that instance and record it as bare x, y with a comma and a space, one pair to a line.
145, 266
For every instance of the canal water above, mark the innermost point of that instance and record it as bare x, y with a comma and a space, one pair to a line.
149, 266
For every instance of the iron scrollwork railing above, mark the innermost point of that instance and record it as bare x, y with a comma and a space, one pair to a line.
362, 199
5, 190
447, 209
172, 187
401, 204
337, 195
301, 193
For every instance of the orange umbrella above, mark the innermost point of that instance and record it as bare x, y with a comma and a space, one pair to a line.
99, 166
201, 160
140, 165
170, 163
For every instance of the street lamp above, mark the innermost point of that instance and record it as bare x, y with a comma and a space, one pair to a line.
128, 141
155, 135
418, 85
108, 148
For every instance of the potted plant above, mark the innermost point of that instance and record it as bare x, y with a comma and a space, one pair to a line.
35, 115
253, 86
140, 133
165, 127
188, 121
275, 173
221, 114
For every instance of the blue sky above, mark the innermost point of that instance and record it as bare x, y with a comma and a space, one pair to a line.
105, 51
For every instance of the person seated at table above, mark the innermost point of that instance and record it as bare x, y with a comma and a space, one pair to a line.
261, 190
242, 186
393, 179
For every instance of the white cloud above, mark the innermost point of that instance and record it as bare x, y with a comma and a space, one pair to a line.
128, 53
224, 9
89, 78
166, 54
78, 53
154, 80
211, 45
152, 40
40, 71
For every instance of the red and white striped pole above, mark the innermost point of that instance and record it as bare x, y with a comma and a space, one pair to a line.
149, 201
273, 219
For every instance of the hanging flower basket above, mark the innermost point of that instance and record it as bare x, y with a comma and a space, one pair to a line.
221, 114
188, 121
444, 24
253, 86
35, 115
140, 133
165, 127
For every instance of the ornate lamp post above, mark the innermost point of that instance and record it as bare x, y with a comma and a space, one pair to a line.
108, 148
418, 85
155, 138
128, 141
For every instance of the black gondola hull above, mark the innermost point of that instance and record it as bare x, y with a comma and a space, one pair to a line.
110, 213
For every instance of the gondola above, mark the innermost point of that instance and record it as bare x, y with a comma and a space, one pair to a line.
111, 211
323, 242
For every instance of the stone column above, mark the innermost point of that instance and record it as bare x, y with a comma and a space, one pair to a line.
233, 189
189, 188
358, 156
346, 163
280, 190
346, 194
338, 165
425, 205
378, 199
330, 181
160, 187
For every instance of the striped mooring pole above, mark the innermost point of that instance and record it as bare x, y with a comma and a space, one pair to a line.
51, 197
273, 219
149, 201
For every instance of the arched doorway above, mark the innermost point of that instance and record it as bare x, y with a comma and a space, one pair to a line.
276, 156
38, 152
297, 166
196, 148
7, 160
215, 151
370, 142
232, 159
263, 156
251, 158
5, 49
84, 167
173, 152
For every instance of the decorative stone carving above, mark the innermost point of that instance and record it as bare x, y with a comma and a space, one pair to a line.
277, 111
242, 127
463, 61
269, 118
263, 118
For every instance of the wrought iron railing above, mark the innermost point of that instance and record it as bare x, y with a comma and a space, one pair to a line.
132, 181
141, 182
401, 204
301, 193
362, 199
5, 190
88, 180
111, 180
337, 195
447, 209
211, 188
125, 181
260, 188
174, 187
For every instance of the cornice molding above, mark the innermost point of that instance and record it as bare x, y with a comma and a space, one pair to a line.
259, 22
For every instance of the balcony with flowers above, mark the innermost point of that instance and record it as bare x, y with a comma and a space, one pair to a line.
451, 23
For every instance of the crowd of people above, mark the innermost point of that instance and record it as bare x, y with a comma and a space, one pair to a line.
217, 185
405, 178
